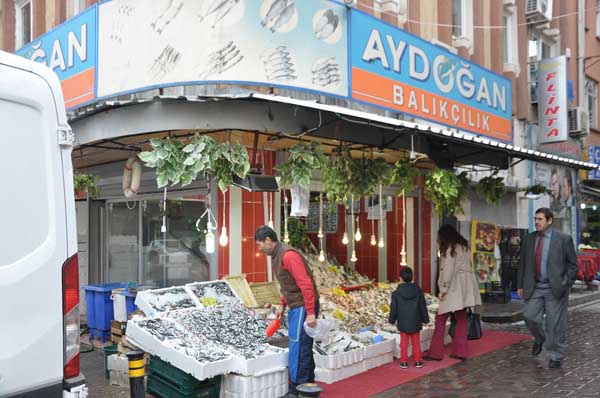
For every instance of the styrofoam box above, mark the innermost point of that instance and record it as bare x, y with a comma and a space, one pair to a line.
381, 348
119, 378
339, 360
143, 300
245, 386
176, 358
188, 287
269, 392
117, 362
329, 376
377, 361
275, 358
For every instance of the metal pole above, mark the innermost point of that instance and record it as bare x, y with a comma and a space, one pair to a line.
136, 373
580, 52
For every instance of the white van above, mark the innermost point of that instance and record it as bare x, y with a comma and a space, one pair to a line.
39, 283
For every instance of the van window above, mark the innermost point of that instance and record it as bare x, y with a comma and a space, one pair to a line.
25, 204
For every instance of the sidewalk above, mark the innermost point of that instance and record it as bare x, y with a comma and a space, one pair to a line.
512, 311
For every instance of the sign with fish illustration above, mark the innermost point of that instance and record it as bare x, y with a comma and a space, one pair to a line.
396, 70
280, 43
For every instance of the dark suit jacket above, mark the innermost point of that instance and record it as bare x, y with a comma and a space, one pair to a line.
562, 264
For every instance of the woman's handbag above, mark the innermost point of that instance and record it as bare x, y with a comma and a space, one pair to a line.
474, 331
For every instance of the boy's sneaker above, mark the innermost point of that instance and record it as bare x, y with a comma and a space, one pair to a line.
418, 364
403, 365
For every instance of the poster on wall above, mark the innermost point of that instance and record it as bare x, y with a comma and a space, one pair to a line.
330, 218
372, 206
562, 199
289, 43
484, 239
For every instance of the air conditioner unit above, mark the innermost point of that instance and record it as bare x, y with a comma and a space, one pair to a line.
538, 11
578, 121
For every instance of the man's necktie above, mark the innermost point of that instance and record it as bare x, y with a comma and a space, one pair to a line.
538, 256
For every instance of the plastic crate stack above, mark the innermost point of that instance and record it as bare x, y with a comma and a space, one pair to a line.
166, 381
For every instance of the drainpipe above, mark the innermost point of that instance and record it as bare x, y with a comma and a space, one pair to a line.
580, 52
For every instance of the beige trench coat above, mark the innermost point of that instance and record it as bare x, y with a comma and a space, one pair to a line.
458, 281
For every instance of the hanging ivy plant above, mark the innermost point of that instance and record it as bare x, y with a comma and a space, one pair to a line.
168, 159
491, 188
405, 176
298, 236
446, 190
367, 174
537, 189
305, 157
336, 176
179, 164
85, 184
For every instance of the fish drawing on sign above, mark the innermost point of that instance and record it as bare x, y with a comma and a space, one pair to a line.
215, 11
168, 15
221, 60
326, 72
279, 15
278, 64
124, 12
326, 24
166, 62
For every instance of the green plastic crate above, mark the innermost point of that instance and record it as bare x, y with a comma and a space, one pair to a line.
163, 388
184, 382
108, 351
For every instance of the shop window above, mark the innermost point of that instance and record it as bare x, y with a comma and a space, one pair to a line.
507, 38
591, 91
138, 250
23, 22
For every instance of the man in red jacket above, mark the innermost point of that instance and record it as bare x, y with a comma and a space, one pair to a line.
299, 293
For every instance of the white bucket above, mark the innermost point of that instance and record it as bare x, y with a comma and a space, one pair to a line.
119, 305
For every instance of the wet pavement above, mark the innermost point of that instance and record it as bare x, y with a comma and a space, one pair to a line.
509, 372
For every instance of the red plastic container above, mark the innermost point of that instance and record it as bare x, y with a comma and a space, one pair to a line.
273, 327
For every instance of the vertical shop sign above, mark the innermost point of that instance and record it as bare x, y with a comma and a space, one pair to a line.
594, 157
552, 105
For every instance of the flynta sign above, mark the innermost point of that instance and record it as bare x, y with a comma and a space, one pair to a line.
396, 70
70, 51
552, 100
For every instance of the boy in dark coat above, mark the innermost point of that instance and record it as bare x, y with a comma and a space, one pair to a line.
409, 312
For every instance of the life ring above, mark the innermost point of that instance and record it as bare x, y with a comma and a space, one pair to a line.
132, 177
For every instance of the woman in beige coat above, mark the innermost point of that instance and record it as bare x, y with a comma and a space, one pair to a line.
459, 290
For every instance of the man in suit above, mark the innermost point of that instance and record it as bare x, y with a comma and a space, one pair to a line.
546, 273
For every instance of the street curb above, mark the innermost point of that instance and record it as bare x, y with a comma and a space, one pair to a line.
517, 316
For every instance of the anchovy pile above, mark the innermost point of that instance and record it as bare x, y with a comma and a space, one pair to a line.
221, 60
217, 10
220, 291
169, 299
278, 15
326, 24
235, 328
326, 71
278, 64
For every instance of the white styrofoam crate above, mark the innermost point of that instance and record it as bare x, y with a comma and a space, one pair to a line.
329, 376
377, 361
119, 378
269, 392
373, 350
339, 360
228, 300
274, 359
247, 385
176, 358
117, 362
145, 298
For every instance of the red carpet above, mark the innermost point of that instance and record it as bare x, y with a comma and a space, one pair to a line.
387, 376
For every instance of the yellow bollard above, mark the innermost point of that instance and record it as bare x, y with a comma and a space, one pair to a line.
136, 373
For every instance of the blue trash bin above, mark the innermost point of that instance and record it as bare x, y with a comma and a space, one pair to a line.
100, 308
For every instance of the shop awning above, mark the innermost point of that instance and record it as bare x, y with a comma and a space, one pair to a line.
462, 138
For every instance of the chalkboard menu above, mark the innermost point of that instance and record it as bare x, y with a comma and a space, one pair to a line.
330, 218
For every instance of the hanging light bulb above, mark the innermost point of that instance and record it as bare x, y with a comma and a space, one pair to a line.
373, 240
353, 258
320, 234
594, 207
345, 238
210, 238
321, 256
223, 238
381, 242
583, 206
270, 224
357, 235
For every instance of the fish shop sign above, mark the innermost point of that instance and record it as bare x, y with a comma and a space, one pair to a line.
396, 70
